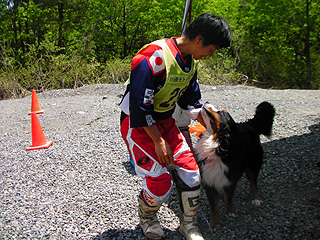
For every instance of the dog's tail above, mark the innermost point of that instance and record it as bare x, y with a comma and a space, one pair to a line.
263, 119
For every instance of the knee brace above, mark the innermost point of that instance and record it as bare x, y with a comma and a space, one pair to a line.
180, 184
183, 189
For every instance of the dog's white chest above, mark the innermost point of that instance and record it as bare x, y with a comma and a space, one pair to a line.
213, 169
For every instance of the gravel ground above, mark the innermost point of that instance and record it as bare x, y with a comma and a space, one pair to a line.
84, 187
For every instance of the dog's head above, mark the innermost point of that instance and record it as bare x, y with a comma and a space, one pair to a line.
216, 121
220, 126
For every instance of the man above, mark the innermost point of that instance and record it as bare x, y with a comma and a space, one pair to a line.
164, 73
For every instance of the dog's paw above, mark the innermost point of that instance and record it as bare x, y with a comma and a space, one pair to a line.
215, 225
256, 202
232, 214
216, 228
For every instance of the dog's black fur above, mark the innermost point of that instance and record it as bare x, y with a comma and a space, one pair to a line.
228, 149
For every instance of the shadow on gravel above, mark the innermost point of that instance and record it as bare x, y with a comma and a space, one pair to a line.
128, 166
289, 187
288, 184
298, 159
129, 234
295, 154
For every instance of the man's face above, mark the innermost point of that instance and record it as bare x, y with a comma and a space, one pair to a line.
202, 52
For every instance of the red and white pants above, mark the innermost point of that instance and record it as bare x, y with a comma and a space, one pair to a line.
157, 181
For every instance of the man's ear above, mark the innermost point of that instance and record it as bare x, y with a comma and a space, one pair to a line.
199, 39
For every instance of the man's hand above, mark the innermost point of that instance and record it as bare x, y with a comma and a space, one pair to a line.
162, 148
164, 151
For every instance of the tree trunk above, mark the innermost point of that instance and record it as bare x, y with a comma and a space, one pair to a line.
60, 36
124, 33
307, 47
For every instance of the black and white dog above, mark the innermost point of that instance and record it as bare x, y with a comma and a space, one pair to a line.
228, 149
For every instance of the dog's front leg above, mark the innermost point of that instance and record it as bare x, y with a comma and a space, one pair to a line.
213, 198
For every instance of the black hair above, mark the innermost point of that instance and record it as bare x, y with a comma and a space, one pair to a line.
213, 29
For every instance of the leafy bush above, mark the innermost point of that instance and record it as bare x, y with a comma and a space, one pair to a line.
218, 70
117, 70
51, 70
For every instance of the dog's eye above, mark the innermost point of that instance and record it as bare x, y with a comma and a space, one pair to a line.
210, 114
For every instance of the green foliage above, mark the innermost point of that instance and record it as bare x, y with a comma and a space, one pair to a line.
279, 37
117, 70
219, 70
51, 70
64, 44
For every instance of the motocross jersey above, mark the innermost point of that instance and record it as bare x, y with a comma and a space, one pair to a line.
160, 77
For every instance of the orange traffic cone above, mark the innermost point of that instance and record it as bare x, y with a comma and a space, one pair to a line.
197, 128
38, 139
35, 106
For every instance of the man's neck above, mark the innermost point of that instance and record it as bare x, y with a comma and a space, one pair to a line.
184, 46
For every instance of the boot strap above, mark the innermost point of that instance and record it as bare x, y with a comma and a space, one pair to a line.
189, 218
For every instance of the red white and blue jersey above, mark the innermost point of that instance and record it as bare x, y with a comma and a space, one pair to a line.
148, 76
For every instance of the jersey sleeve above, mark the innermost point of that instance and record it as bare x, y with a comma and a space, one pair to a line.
147, 69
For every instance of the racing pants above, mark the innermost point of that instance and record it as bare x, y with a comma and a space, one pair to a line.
157, 182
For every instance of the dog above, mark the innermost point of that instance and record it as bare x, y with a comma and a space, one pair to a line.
228, 149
